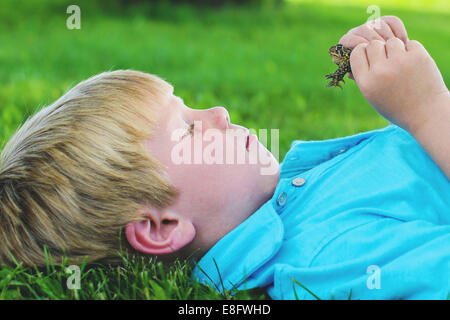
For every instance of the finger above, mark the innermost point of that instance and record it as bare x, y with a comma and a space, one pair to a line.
397, 27
413, 45
366, 32
383, 29
352, 40
376, 51
358, 60
394, 46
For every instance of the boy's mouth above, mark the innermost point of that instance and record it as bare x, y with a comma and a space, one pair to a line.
250, 139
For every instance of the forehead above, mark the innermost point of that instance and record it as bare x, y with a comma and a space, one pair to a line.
174, 105
169, 112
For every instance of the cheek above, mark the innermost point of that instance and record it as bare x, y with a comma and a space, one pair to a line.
208, 178
209, 186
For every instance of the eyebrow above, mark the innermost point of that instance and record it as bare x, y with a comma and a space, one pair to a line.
173, 111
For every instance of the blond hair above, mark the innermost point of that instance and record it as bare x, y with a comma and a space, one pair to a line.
76, 172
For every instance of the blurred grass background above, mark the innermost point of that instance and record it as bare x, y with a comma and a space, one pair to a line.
264, 62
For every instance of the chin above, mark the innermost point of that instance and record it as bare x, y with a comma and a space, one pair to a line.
267, 185
271, 181
271, 171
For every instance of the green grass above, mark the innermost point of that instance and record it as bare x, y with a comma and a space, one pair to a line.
141, 278
265, 65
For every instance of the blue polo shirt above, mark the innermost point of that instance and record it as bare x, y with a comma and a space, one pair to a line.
362, 217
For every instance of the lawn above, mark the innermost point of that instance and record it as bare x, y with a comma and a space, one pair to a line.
266, 65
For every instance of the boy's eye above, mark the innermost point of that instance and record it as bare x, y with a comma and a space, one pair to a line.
190, 130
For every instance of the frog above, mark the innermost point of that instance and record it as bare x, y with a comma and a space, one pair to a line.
340, 56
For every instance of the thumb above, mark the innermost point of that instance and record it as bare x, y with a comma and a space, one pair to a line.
359, 61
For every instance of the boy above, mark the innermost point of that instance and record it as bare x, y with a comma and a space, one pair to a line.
107, 155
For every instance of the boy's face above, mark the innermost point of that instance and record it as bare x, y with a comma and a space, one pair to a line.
222, 179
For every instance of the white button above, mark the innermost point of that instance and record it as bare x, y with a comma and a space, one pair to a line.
298, 182
281, 200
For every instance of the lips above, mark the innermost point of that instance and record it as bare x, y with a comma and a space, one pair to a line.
247, 139
244, 132
250, 140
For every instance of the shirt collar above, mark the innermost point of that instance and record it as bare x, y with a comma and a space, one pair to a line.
304, 155
242, 251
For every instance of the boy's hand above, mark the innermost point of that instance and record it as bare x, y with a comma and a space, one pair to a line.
401, 82
383, 29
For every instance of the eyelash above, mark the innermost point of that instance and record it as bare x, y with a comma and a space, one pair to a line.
189, 131
191, 128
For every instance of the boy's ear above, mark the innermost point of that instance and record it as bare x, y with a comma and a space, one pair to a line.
160, 235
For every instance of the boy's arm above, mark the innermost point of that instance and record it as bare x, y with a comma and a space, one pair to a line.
405, 86
434, 134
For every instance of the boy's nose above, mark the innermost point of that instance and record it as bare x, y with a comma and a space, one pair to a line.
220, 117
